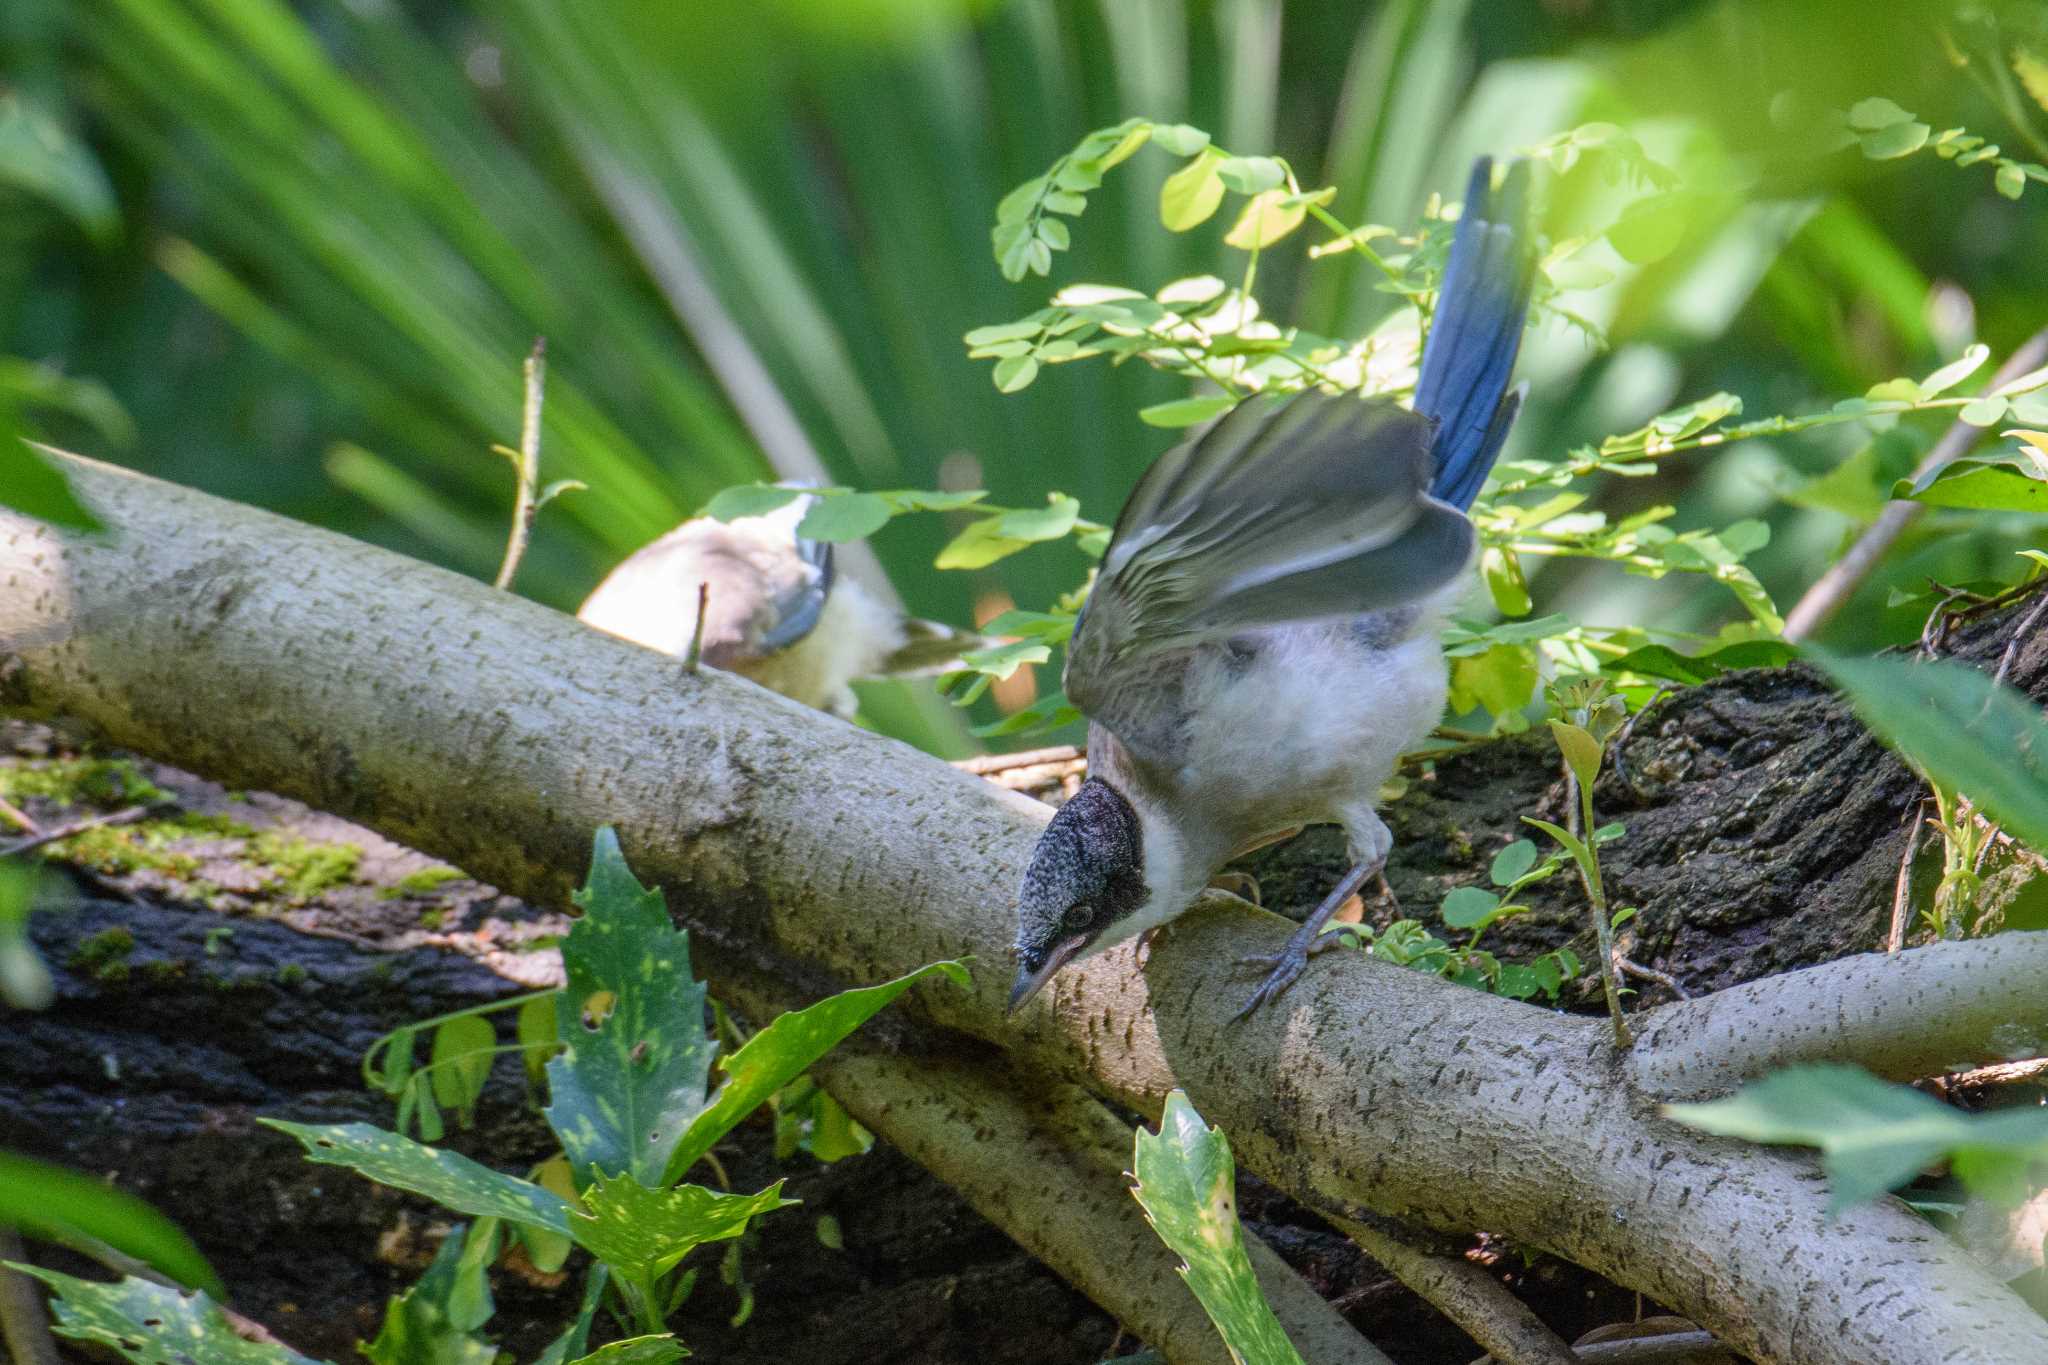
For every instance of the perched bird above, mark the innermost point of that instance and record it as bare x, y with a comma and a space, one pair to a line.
1262, 641
774, 611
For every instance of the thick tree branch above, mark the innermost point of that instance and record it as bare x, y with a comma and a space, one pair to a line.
804, 854
1945, 1007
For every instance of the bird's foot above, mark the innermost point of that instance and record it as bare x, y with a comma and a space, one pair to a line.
1290, 962
1240, 884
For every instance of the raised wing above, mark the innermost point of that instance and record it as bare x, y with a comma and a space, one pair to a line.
1306, 508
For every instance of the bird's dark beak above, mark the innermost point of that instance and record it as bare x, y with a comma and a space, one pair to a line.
1030, 983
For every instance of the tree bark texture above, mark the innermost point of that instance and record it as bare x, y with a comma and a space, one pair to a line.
806, 855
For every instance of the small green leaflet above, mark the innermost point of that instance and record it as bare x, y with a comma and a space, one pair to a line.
779, 1053
151, 1324
635, 1062
44, 1200
642, 1232
448, 1178
1966, 732
1188, 1187
1875, 1136
425, 1326
1661, 661
751, 500
1186, 412
845, 516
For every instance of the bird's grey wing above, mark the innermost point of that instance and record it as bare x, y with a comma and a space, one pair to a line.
797, 604
1306, 508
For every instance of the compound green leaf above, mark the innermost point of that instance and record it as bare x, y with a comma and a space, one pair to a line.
641, 1232
152, 1324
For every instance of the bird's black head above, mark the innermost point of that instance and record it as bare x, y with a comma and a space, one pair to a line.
1087, 873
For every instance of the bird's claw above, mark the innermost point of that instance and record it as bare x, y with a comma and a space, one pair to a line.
1282, 968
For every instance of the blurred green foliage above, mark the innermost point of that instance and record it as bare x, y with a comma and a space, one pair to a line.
293, 254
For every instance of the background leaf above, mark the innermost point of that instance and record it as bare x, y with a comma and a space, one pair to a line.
1875, 1136
152, 1324
53, 1204
448, 1178
1967, 733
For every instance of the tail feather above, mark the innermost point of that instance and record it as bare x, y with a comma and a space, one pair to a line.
1477, 332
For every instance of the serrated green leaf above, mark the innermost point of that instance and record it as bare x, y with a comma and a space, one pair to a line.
1967, 733
1187, 1185
1875, 1136
1512, 862
53, 1203
635, 1061
845, 516
641, 1232
425, 1326
780, 1052
749, 500
1186, 412
448, 1178
1192, 193
646, 1350
152, 1324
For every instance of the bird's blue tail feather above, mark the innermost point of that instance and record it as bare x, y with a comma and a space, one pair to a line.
1476, 332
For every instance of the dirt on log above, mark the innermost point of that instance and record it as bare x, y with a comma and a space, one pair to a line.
218, 967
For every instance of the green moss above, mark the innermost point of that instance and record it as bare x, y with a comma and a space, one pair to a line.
116, 849
290, 974
74, 781
164, 971
433, 916
104, 956
421, 883
193, 823
301, 868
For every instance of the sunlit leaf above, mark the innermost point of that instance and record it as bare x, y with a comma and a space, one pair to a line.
779, 1053
1191, 193
633, 1075
1188, 1187
1661, 661
642, 1232
448, 1178
750, 500
845, 516
1979, 484
152, 1324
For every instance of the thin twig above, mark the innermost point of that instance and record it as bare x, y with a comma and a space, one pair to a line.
24, 1323
2019, 637
1833, 588
982, 765
20, 818
695, 653
1621, 739
1664, 979
527, 461
51, 836
1596, 902
1998, 1073
1902, 890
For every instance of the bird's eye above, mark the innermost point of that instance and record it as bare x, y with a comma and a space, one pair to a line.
1078, 917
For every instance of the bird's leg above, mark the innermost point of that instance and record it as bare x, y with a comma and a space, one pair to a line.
1292, 960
